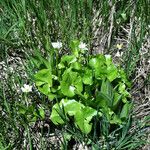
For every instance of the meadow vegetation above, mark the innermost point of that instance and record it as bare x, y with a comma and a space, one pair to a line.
74, 74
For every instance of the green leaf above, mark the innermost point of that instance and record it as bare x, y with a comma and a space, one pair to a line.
51, 96
122, 90
83, 118
122, 87
89, 113
88, 76
102, 100
115, 120
71, 107
82, 124
42, 113
75, 47
108, 60
107, 90
55, 115
22, 109
45, 89
66, 60
98, 65
71, 81
107, 112
67, 136
125, 110
30, 109
123, 77
32, 119
93, 63
124, 16
76, 66
112, 72
124, 99
67, 89
43, 76
97, 61
117, 100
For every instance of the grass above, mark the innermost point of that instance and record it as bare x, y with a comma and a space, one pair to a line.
30, 26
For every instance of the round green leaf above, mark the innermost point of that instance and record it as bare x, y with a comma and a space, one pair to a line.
43, 76
71, 81
88, 76
66, 60
55, 117
83, 118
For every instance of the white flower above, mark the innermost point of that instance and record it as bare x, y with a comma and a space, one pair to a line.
119, 46
83, 46
57, 44
26, 88
119, 54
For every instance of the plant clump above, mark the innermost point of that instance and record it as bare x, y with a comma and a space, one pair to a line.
85, 87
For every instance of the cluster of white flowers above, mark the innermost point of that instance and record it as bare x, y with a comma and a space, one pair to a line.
57, 45
26, 88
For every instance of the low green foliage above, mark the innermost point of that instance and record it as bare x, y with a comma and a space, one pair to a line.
82, 88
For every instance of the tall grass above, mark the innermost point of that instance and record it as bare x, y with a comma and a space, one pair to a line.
35, 24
